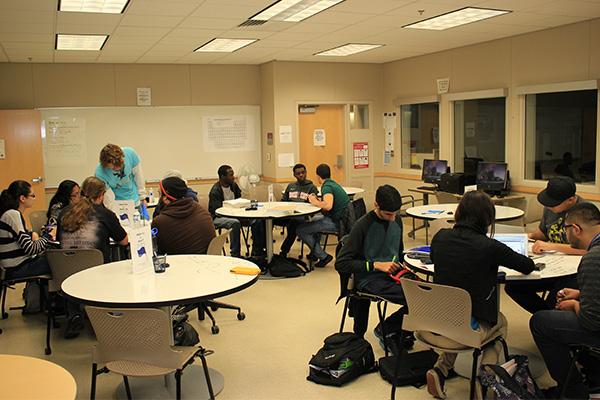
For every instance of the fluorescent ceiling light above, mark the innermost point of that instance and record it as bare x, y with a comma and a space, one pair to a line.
80, 42
93, 6
294, 10
456, 18
348, 49
225, 45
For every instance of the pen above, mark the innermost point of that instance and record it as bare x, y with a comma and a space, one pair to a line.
394, 259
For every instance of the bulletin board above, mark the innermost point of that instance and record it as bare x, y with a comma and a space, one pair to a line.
193, 139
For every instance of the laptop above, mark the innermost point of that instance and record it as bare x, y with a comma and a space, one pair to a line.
516, 241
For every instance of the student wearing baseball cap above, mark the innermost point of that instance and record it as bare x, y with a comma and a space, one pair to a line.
558, 197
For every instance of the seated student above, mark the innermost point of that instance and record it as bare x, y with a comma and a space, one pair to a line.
465, 257
184, 226
67, 193
227, 189
370, 252
87, 224
334, 202
558, 197
190, 192
297, 192
576, 319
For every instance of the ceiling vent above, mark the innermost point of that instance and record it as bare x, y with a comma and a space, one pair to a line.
250, 22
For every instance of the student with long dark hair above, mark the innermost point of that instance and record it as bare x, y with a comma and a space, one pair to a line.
465, 257
67, 193
20, 249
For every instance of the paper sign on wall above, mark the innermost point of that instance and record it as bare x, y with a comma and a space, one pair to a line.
124, 210
285, 134
319, 137
361, 155
140, 242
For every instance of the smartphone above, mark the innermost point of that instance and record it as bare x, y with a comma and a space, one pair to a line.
539, 266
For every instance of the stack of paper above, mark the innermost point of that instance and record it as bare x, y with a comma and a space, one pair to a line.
237, 203
282, 210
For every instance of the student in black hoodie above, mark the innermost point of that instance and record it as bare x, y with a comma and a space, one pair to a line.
465, 257
297, 192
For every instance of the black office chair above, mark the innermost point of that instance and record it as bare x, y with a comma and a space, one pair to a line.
577, 350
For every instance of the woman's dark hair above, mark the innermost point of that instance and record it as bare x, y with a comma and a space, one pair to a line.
476, 208
63, 194
9, 199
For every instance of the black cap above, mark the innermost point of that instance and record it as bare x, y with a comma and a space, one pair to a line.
558, 190
174, 188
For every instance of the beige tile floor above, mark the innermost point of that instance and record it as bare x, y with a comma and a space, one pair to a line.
266, 355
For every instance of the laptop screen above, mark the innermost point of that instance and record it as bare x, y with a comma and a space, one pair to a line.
516, 241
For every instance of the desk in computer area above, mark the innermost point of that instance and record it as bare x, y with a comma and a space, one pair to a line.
491, 177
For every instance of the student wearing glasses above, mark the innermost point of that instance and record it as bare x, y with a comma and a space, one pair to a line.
67, 193
21, 251
121, 170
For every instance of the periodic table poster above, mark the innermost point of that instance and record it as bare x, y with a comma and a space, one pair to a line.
361, 155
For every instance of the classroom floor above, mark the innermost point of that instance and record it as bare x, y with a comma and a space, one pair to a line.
266, 355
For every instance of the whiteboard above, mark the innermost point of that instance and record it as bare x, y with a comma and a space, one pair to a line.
193, 139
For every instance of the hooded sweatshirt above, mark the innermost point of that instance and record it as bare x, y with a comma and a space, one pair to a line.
299, 192
184, 227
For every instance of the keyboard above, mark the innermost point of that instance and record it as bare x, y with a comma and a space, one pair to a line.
426, 188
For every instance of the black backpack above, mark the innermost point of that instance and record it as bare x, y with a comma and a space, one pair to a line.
413, 367
343, 357
287, 267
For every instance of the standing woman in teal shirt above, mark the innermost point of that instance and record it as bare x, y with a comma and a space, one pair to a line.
121, 170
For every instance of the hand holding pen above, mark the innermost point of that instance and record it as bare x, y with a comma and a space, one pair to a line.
387, 267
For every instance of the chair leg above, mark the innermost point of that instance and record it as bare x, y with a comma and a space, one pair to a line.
4, 313
397, 369
563, 389
48, 350
127, 388
178, 384
346, 305
206, 375
94, 375
381, 315
504, 347
476, 353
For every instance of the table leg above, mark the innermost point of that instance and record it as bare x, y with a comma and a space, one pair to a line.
269, 238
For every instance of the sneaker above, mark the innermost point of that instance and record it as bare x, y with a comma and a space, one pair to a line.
324, 262
392, 346
74, 325
409, 339
435, 383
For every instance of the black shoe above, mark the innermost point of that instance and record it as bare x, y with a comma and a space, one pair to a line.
554, 392
74, 325
324, 262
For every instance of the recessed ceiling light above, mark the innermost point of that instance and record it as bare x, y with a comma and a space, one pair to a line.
225, 45
348, 49
93, 6
456, 18
80, 42
293, 10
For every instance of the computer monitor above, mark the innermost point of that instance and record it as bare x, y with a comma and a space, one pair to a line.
470, 165
491, 177
433, 170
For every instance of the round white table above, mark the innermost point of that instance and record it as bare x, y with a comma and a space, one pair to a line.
435, 211
269, 211
350, 191
189, 279
24, 377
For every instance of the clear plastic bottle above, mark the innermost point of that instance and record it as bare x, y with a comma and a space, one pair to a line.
137, 219
151, 195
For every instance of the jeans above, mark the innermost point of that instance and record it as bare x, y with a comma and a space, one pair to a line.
37, 266
525, 294
258, 234
292, 225
308, 229
554, 331
388, 289
489, 355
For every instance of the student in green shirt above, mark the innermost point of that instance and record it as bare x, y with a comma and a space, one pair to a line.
334, 201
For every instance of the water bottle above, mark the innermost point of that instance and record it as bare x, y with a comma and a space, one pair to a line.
137, 219
151, 195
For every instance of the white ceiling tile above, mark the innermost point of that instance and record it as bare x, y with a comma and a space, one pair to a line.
156, 21
26, 28
111, 20
84, 29
35, 5
375, 6
220, 10
141, 31
38, 58
334, 17
161, 8
119, 59
28, 46
26, 16
209, 23
313, 27
26, 37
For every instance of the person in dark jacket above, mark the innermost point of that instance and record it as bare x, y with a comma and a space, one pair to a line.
466, 257
227, 189
296, 192
372, 252
184, 226
576, 319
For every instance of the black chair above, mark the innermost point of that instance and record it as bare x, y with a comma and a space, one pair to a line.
577, 350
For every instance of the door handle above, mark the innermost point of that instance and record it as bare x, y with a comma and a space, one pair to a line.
339, 161
38, 179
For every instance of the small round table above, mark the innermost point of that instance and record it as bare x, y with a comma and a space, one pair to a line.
24, 377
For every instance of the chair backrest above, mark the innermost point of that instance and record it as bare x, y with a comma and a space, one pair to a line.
503, 228
203, 200
440, 223
260, 193
37, 219
66, 262
356, 184
126, 334
353, 211
445, 310
534, 211
215, 247
446, 198
277, 191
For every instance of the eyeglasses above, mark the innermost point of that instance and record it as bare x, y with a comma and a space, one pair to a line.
570, 225
76, 195
31, 195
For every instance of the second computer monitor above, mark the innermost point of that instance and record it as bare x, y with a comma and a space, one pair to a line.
491, 176
433, 170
